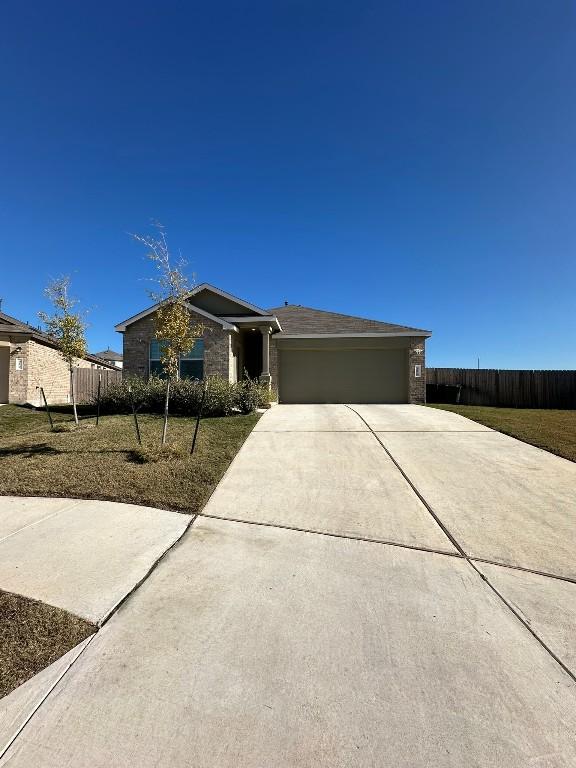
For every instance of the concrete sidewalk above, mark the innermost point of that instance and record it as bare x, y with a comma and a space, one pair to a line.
83, 556
253, 645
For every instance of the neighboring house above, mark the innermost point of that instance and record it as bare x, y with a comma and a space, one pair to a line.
110, 357
309, 355
29, 359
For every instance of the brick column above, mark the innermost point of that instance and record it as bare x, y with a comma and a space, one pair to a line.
416, 357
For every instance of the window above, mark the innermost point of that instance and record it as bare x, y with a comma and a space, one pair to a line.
19, 363
417, 371
191, 364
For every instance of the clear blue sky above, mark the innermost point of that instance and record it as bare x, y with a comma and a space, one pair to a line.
409, 161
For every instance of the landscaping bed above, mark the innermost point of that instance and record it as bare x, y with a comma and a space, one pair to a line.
552, 430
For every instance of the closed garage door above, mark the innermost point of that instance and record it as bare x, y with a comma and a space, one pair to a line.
343, 375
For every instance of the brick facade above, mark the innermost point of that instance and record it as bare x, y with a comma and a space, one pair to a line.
219, 351
274, 365
417, 356
43, 366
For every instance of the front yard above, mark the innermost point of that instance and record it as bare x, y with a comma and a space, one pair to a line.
552, 430
103, 462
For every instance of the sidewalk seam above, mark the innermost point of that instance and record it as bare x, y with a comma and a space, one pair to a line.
99, 626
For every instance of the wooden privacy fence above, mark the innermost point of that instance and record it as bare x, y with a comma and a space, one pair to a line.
86, 382
512, 389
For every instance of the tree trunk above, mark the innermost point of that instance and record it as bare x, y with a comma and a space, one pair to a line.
73, 394
166, 403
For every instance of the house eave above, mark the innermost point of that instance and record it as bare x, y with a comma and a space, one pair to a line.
242, 320
385, 334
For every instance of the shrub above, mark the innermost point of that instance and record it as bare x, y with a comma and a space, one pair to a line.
222, 398
248, 395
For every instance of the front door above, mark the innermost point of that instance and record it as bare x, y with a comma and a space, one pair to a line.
252, 354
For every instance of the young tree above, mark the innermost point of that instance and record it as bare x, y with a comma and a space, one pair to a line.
67, 327
174, 329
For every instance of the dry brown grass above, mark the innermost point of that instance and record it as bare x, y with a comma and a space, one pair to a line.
32, 636
106, 462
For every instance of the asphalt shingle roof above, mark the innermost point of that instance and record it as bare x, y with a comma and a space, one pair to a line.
296, 319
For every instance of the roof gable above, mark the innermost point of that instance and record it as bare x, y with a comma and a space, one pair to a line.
221, 303
208, 301
298, 320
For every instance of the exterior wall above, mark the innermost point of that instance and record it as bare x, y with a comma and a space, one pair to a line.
47, 369
274, 369
4, 370
217, 353
417, 387
18, 381
217, 347
43, 367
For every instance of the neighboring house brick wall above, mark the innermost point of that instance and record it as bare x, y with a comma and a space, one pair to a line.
138, 335
48, 369
18, 380
417, 386
43, 367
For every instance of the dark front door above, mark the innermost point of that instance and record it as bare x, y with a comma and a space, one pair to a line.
252, 354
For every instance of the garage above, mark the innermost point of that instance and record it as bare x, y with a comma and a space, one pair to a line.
342, 371
318, 356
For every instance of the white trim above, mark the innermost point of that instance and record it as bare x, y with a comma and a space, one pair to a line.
121, 327
351, 335
255, 319
229, 296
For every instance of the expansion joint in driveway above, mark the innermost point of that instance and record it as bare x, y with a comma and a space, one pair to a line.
333, 534
463, 554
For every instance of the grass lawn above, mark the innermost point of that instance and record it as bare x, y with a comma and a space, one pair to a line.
555, 431
100, 462
15, 420
32, 636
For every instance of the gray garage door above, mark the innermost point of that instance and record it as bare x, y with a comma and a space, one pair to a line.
343, 376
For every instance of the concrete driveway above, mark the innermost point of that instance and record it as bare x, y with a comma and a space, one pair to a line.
334, 606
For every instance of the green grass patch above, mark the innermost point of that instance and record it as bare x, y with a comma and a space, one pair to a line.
21, 420
32, 636
552, 430
107, 463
